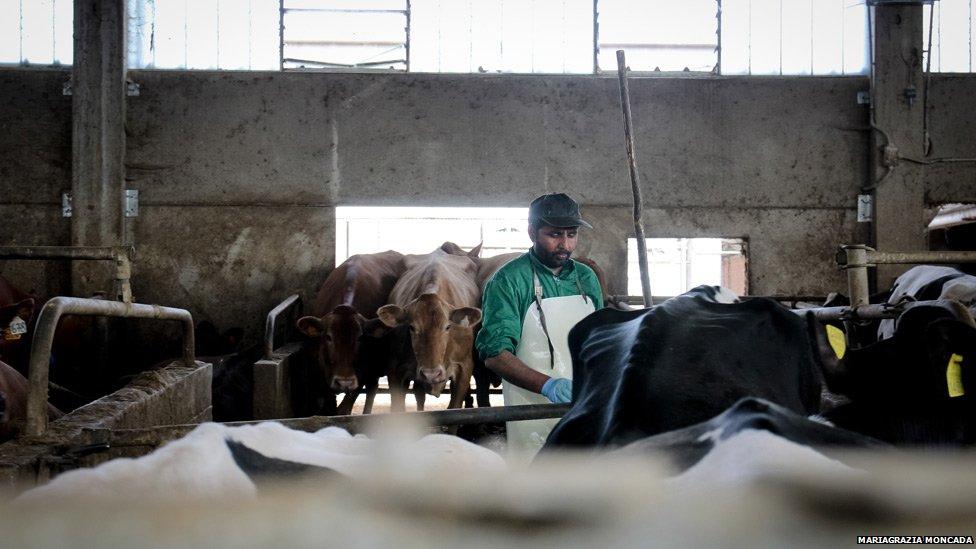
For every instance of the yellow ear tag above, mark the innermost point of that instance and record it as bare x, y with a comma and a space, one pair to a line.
837, 340
954, 376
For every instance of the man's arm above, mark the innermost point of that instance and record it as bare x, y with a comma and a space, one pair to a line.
515, 371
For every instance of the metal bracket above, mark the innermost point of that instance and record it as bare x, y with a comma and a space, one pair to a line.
66, 207
864, 98
132, 203
66, 88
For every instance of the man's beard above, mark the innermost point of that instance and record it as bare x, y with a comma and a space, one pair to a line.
553, 260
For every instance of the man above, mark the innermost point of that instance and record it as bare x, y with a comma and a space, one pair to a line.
529, 306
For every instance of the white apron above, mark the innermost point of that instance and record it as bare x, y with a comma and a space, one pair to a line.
525, 438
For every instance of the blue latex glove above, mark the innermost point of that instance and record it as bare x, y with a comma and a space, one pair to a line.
558, 390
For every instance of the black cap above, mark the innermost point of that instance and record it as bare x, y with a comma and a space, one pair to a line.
556, 210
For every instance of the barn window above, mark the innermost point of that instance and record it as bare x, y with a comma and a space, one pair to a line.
338, 34
204, 34
38, 32
679, 264
658, 35
794, 37
420, 230
511, 36
953, 26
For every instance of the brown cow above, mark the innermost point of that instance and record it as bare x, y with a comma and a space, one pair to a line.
438, 299
16, 312
489, 265
13, 402
352, 291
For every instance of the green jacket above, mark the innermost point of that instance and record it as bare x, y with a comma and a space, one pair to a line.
510, 293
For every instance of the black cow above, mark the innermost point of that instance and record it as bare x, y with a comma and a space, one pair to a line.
233, 370
645, 372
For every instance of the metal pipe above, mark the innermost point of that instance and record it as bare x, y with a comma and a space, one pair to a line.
634, 179
873, 257
852, 313
156, 436
269, 325
857, 274
64, 252
47, 322
119, 254
892, 258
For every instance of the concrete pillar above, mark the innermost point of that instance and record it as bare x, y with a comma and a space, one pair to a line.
98, 136
899, 201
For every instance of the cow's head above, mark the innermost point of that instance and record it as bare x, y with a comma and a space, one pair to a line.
441, 335
337, 335
918, 387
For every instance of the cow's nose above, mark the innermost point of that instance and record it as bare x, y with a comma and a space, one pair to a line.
344, 383
432, 375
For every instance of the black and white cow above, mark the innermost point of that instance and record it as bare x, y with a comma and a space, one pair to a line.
683, 448
930, 282
643, 373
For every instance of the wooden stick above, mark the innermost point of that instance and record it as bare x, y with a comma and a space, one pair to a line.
634, 180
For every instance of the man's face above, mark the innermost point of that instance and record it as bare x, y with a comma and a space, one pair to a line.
553, 245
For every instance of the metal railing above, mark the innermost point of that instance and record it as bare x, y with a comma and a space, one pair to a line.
155, 436
856, 258
290, 304
119, 254
47, 322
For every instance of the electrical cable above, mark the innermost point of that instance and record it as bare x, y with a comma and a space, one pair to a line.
926, 140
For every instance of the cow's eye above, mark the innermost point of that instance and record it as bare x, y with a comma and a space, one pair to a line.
412, 329
447, 328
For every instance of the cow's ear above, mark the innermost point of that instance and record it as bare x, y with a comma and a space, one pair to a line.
25, 309
391, 315
311, 326
475, 252
951, 349
466, 316
830, 356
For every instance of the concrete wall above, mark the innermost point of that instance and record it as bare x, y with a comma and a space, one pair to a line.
239, 172
35, 168
952, 126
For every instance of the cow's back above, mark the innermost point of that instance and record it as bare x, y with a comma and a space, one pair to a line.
451, 277
370, 276
639, 373
489, 266
928, 283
